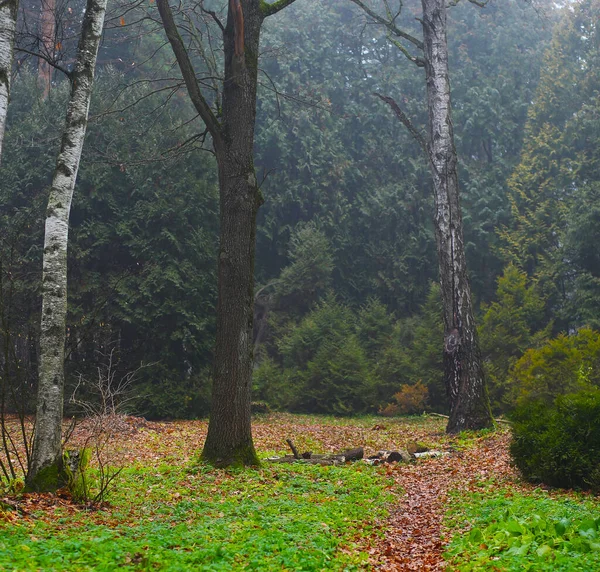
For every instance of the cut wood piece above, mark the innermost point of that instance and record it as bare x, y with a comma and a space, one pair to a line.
293, 448
353, 454
393, 457
413, 447
309, 458
406, 456
400, 456
425, 454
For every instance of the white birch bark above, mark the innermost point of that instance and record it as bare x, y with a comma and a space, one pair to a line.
463, 371
46, 456
8, 26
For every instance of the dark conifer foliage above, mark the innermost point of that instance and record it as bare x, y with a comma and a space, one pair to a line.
345, 310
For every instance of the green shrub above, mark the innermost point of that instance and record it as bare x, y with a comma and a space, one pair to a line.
162, 394
559, 444
565, 364
326, 369
271, 384
338, 380
414, 353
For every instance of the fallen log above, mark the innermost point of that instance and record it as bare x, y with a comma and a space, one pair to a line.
399, 456
353, 454
309, 458
313, 461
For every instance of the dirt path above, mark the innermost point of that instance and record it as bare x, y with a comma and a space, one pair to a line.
414, 540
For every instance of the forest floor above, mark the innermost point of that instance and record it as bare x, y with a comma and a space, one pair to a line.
166, 511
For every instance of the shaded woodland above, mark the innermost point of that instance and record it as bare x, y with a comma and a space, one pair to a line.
344, 225
347, 314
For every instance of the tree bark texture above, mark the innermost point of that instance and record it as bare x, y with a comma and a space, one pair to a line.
46, 463
229, 438
463, 371
8, 26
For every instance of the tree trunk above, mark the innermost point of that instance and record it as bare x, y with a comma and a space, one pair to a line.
8, 26
48, 39
44, 473
463, 371
229, 438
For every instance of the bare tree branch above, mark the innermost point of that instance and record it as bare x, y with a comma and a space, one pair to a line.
390, 24
405, 121
44, 57
188, 73
214, 16
418, 61
270, 9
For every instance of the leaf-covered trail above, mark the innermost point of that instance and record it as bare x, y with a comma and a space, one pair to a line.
414, 540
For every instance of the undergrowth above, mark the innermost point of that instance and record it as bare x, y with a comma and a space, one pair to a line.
497, 528
169, 518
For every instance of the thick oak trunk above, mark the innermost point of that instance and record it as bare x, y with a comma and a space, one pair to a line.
8, 26
229, 438
463, 371
45, 467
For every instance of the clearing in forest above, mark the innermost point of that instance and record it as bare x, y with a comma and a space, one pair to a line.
466, 510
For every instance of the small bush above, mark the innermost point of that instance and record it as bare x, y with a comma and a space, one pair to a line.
559, 444
409, 400
390, 410
412, 398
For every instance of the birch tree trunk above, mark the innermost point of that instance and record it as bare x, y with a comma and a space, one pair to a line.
8, 26
463, 371
46, 463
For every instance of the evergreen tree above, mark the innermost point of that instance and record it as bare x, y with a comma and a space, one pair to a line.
511, 325
551, 171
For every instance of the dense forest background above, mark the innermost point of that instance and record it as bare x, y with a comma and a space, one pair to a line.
347, 311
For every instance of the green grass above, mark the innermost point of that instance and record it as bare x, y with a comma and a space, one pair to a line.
510, 531
280, 517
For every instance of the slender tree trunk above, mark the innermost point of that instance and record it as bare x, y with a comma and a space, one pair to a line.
8, 26
46, 464
229, 439
48, 37
463, 371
